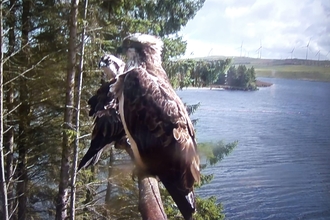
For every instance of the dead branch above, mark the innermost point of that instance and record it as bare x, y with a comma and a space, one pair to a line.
150, 202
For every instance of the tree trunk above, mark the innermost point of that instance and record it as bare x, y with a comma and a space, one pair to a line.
9, 144
23, 110
150, 202
76, 143
109, 185
62, 198
21, 167
3, 185
10, 124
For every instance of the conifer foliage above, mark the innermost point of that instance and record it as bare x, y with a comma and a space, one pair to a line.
41, 49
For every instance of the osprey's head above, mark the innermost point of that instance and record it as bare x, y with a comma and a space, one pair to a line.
140, 42
139, 48
111, 66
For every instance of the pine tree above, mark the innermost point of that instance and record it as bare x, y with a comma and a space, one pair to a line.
68, 128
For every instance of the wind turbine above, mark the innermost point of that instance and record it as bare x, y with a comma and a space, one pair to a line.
292, 52
241, 47
210, 52
318, 53
307, 47
259, 50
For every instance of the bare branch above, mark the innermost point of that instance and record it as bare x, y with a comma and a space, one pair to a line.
95, 29
31, 68
8, 129
11, 111
10, 178
26, 71
4, 1
14, 53
14, 210
83, 136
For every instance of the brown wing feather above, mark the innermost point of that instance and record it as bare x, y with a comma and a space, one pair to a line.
107, 126
160, 126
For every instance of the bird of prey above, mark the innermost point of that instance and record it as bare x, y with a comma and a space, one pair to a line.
107, 128
156, 121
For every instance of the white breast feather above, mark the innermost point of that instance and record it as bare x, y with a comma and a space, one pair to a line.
137, 157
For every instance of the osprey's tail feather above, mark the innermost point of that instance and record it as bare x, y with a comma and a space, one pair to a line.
93, 153
185, 201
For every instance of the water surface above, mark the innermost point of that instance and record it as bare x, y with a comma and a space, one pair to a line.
281, 167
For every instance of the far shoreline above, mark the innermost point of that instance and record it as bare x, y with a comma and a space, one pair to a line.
259, 84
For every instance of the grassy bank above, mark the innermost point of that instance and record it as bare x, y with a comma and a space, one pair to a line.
318, 73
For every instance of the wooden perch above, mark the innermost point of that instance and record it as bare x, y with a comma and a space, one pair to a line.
150, 202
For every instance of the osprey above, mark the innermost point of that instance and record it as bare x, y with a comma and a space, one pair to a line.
156, 121
107, 127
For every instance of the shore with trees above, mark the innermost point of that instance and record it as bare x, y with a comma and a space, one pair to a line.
236, 74
212, 74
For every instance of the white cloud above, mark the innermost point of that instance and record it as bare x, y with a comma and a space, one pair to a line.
280, 26
198, 48
236, 12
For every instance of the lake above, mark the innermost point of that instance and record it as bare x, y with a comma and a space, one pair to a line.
281, 166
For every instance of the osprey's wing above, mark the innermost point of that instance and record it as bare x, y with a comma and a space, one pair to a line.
107, 126
159, 124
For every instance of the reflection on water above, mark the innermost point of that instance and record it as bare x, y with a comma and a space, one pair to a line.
281, 167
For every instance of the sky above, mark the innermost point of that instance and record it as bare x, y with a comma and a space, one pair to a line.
280, 28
